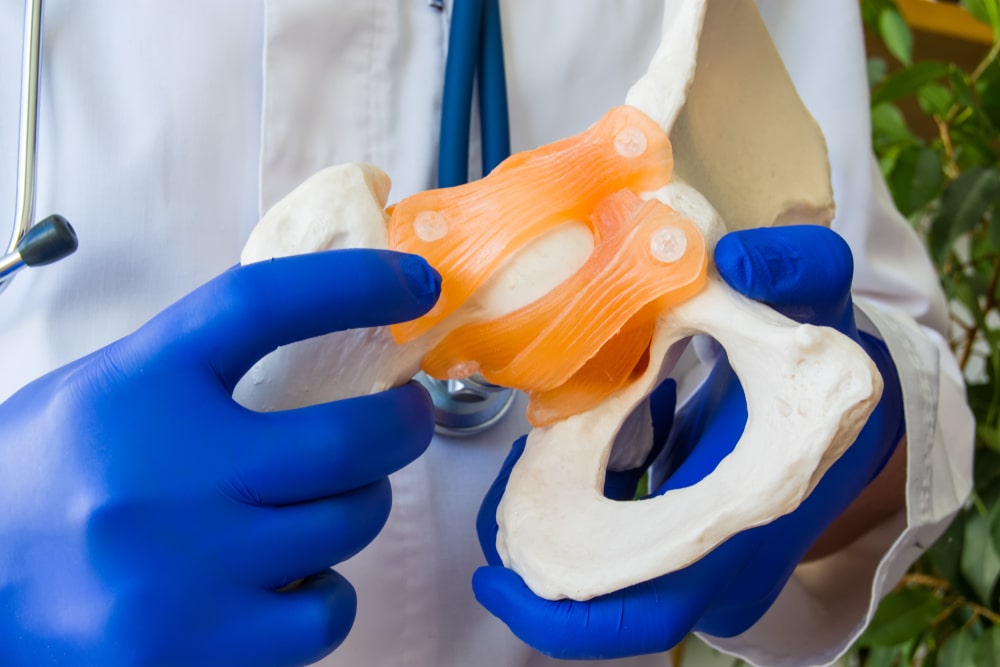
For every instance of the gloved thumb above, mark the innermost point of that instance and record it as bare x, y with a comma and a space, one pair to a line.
803, 272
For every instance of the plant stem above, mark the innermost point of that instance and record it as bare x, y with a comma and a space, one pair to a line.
944, 131
988, 305
980, 610
925, 581
986, 62
949, 610
970, 342
943, 587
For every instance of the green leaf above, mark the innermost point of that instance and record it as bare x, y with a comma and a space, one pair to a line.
877, 69
994, 230
988, 91
972, 146
994, 522
988, 434
889, 122
958, 650
887, 161
916, 178
980, 561
960, 85
890, 134
985, 11
935, 99
963, 206
928, 179
945, 556
870, 10
896, 34
990, 494
987, 649
883, 656
903, 615
986, 467
978, 10
909, 80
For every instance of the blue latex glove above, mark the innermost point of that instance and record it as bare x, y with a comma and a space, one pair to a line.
147, 518
805, 272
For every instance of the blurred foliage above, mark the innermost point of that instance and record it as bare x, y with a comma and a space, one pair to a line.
946, 611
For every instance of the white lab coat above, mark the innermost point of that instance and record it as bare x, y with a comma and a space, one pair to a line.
162, 137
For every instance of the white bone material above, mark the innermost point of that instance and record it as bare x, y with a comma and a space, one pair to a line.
809, 392
741, 135
742, 141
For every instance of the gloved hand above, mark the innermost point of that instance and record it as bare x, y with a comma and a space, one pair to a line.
804, 272
147, 518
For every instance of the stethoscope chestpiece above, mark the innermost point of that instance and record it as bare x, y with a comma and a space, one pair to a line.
466, 407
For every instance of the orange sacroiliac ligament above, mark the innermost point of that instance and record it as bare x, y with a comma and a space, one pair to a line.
589, 336
603, 314
467, 232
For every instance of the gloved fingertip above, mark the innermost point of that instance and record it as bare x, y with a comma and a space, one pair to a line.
758, 263
803, 271
497, 588
421, 422
320, 612
734, 262
422, 279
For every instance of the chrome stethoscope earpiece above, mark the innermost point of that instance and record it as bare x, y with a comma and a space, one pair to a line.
52, 238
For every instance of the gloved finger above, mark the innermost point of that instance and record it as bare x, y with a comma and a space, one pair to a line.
646, 618
804, 272
701, 439
486, 519
258, 629
304, 624
321, 450
283, 544
622, 484
248, 311
743, 603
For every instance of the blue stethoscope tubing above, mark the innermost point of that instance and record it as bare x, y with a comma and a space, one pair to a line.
475, 60
52, 238
475, 54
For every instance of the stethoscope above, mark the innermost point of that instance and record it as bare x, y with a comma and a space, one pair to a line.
475, 60
52, 238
